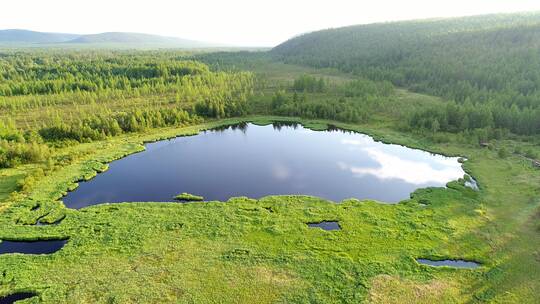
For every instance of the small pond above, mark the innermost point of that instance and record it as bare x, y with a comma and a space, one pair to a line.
449, 263
471, 183
256, 161
325, 225
12, 298
31, 247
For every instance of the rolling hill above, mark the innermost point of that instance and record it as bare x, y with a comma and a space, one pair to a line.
137, 38
25, 37
480, 59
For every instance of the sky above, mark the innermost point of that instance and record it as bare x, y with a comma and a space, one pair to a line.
232, 22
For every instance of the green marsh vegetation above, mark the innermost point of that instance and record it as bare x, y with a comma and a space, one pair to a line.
188, 197
262, 250
67, 114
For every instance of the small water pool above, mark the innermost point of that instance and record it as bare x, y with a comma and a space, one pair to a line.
326, 225
449, 263
31, 247
12, 298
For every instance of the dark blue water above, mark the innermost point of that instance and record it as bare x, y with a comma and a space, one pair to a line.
12, 298
449, 263
33, 247
257, 161
325, 225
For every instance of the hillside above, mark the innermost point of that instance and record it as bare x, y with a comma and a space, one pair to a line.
25, 36
489, 64
395, 44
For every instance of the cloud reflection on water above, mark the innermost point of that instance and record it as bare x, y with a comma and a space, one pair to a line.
439, 170
281, 172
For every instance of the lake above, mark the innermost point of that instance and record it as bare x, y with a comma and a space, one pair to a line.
256, 161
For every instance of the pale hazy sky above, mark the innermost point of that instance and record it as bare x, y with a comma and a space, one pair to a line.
237, 22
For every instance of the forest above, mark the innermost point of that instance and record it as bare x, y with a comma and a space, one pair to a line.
488, 67
85, 96
353, 101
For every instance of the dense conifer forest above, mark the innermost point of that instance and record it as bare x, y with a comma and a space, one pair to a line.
488, 68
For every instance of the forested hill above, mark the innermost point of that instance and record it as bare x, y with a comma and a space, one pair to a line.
25, 36
137, 38
492, 60
454, 58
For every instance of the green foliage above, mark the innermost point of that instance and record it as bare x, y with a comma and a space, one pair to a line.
280, 99
41, 74
365, 88
232, 61
531, 153
308, 83
20, 148
13, 154
90, 78
97, 127
231, 250
457, 118
62, 96
503, 153
352, 101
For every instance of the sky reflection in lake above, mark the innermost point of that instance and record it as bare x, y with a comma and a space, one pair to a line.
395, 162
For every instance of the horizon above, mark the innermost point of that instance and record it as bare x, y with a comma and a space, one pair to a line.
269, 24
219, 44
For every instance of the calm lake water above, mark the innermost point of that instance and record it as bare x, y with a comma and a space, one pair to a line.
257, 161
